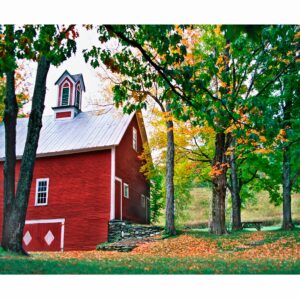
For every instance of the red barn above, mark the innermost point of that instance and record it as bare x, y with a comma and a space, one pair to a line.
87, 173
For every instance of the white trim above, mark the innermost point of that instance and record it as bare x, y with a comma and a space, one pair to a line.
36, 191
60, 109
62, 236
143, 201
45, 221
63, 77
147, 205
134, 139
112, 184
126, 185
78, 88
121, 196
61, 93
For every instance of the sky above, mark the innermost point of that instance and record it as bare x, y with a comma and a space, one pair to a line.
74, 65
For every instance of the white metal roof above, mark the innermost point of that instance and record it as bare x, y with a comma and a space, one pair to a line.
86, 132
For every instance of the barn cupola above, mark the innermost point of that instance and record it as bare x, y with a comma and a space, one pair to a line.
70, 89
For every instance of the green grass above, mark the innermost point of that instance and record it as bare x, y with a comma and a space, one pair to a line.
260, 210
138, 264
148, 266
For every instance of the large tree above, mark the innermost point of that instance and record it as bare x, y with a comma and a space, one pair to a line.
46, 45
214, 83
135, 84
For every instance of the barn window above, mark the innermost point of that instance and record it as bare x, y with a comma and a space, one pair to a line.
134, 139
143, 201
126, 190
41, 195
77, 96
65, 94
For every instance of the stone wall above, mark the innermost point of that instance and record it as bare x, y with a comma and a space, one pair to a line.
121, 230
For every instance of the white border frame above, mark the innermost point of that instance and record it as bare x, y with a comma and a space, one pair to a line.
48, 221
36, 191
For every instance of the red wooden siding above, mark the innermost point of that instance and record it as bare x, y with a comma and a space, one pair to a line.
63, 114
128, 169
71, 91
79, 192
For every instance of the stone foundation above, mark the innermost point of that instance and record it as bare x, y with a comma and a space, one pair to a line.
121, 230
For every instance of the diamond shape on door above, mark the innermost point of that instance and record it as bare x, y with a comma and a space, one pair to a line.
27, 238
49, 237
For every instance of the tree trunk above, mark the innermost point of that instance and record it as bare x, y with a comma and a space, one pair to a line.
17, 216
170, 222
287, 222
235, 194
217, 225
10, 119
286, 172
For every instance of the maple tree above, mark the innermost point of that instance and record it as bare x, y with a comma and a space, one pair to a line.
187, 169
22, 89
47, 45
136, 84
212, 82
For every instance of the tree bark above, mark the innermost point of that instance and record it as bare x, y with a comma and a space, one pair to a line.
170, 220
287, 222
217, 225
235, 193
16, 218
10, 120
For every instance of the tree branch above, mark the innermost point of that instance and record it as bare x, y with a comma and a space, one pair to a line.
276, 77
295, 177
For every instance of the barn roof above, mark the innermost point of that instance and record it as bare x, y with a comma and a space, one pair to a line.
88, 131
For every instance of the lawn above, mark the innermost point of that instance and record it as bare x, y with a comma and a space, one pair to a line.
191, 252
259, 209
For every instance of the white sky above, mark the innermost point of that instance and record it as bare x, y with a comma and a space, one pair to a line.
74, 65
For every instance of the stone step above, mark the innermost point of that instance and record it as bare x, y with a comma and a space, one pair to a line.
121, 230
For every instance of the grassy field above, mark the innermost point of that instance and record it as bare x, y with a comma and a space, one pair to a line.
191, 252
262, 210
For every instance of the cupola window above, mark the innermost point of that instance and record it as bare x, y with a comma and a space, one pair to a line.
65, 94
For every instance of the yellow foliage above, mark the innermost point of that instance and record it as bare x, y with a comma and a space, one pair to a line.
219, 60
262, 139
262, 150
223, 84
217, 30
297, 35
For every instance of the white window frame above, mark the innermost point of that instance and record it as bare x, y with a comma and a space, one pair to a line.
36, 191
78, 89
134, 138
62, 89
143, 201
126, 188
